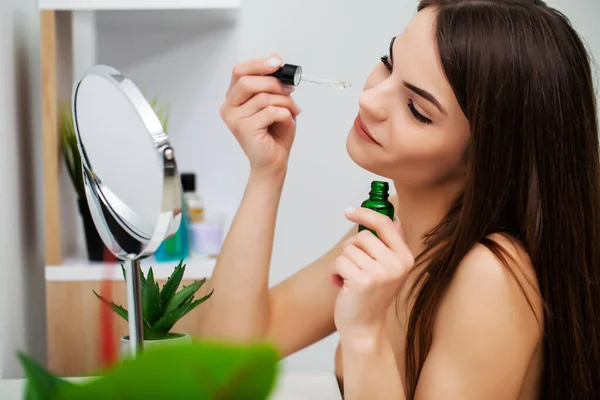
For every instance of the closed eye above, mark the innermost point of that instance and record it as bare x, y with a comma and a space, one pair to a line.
420, 117
411, 105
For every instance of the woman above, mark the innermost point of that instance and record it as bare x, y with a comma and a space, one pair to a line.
483, 115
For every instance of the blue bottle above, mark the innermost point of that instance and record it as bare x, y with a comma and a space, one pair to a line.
175, 248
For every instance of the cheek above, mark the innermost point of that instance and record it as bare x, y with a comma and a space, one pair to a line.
431, 150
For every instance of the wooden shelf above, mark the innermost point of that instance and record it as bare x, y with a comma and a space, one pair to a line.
197, 20
79, 269
90, 5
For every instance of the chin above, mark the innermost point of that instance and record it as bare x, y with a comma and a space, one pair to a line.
363, 154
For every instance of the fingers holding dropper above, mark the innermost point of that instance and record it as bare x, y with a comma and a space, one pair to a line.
258, 66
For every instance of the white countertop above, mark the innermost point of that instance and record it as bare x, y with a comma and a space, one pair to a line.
290, 386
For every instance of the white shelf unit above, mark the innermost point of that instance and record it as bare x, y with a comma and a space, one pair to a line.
78, 269
180, 52
137, 4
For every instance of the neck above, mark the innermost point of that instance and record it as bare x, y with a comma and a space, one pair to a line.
421, 209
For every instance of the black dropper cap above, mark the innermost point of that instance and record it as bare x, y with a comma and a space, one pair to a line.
188, 181
289, 74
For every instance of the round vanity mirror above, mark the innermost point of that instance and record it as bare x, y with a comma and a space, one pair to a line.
130, 175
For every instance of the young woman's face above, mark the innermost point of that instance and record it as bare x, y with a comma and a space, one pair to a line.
410, 127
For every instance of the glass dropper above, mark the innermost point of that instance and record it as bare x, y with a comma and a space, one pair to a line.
292, 75
321, 81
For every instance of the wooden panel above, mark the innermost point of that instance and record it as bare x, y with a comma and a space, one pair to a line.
73, 313
50, 137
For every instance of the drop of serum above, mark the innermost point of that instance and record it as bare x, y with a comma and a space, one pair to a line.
341, 85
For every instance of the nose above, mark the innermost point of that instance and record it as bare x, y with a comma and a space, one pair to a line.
375, 101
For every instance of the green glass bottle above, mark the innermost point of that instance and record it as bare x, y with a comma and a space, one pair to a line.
378, 201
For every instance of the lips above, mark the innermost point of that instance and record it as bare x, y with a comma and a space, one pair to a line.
363, 132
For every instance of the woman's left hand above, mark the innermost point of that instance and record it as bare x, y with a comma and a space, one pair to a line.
370, 271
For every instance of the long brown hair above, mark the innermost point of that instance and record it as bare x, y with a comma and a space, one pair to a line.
522, 77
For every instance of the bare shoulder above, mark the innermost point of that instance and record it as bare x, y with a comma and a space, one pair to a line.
488, 326
501, 266
499, 275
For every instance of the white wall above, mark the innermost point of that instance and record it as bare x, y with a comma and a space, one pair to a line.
338, 39
584, 15
22, 288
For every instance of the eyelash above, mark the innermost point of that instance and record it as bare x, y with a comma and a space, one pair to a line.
411, 106
385, 60
420, 117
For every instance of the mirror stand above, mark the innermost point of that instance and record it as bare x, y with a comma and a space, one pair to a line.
135, 202
134, 305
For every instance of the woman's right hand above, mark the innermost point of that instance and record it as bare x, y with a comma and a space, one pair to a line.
261, 114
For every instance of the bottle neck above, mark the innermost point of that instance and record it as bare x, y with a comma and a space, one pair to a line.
379, 191
378, 194
378, 197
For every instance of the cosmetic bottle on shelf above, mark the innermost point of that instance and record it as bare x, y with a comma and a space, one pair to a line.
193, 201
176, 247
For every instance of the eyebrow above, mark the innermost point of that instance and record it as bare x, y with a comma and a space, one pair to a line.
423, 93
426, 95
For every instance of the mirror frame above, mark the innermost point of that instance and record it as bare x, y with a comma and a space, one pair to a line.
99, 197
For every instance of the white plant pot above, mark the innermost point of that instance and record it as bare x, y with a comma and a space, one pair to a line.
175, 338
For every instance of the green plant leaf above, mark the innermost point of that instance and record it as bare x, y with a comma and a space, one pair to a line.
245, 383
69, 148
76, 159
170, 287
199, 371
164, 325
151, 299
162, 111
123, 313
116, 308
41, 383
197, 303
142, 277
184, 293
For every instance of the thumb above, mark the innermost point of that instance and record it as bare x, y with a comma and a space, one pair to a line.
398, 225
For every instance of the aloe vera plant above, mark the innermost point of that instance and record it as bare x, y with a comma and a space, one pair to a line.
162, 112
162, 308
69, 149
